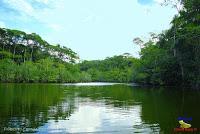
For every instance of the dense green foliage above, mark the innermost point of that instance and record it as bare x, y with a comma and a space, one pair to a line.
22, 47
44, 70
113, 69
170, 58
175, 58
28, 58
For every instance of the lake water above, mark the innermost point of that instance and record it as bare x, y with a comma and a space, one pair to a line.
95, 108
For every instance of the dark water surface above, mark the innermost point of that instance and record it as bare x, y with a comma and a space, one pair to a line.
99, 108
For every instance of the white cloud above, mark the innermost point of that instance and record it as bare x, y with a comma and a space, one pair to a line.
2, 24
28, 12
26, 8
22, 6
159, 1
43, 1
97, 117
55, 27
93, 22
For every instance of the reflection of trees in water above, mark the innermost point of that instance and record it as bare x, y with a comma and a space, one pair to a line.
160, 106
117, 95
30, 106
63, 110
164, 106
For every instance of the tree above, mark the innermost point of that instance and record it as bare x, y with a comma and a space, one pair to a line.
138, 41
175, 58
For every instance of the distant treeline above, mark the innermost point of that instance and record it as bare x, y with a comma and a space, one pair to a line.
169, 58
29, 58
113, 69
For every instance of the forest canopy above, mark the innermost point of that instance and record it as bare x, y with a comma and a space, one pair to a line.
169, 58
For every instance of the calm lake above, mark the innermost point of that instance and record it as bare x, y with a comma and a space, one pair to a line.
95, 108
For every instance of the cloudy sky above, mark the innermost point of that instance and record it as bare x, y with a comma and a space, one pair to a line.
95, 29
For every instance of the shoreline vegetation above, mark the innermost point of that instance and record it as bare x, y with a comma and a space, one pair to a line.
170, 58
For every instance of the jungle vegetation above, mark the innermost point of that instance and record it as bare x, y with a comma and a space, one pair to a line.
29, 58
169, 58
173, 57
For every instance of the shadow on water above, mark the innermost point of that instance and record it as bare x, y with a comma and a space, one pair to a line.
142, 109
30, 105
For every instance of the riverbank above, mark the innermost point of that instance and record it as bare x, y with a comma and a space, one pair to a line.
180, 87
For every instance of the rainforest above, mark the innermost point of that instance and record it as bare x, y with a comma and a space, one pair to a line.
99, 66
170, 58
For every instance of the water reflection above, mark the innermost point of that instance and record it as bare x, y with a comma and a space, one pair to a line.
43, 108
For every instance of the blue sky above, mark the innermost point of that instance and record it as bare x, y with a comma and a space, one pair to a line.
95, 29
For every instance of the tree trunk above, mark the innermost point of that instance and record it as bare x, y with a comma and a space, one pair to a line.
14, 52
182, 70
32, 54
9, 49
174, 48
24, 55
3, 47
